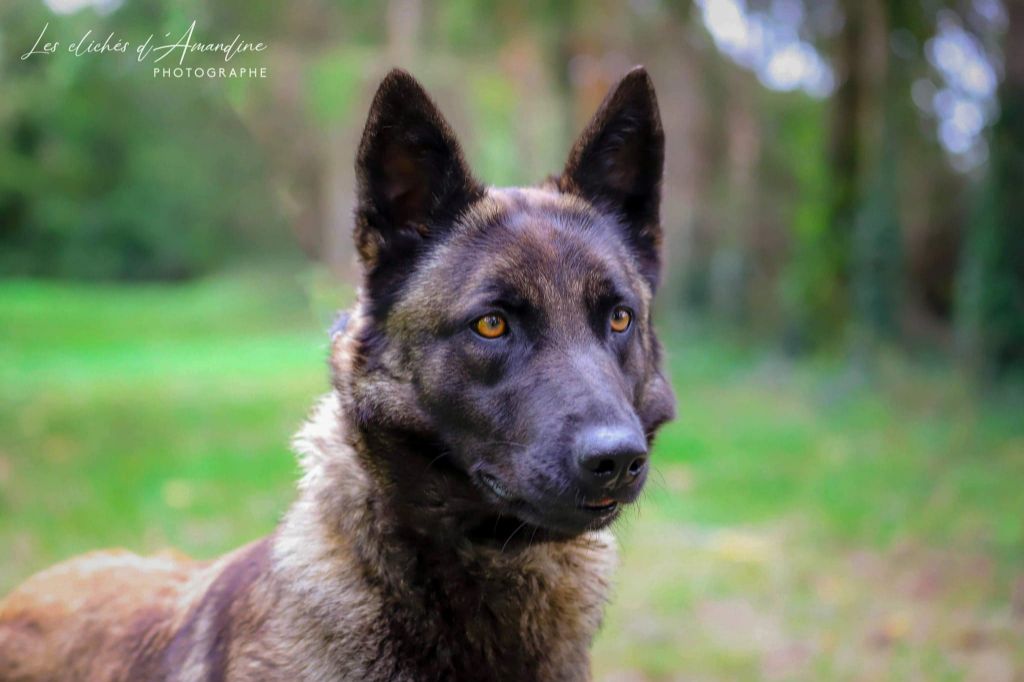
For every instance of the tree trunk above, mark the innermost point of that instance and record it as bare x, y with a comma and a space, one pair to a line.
876, 253
845, 164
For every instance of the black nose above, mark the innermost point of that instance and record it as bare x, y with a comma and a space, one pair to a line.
610, 456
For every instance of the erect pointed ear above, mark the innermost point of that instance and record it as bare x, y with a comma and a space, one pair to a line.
616, 164
412, 178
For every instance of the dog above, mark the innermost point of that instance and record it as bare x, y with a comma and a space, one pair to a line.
495, 391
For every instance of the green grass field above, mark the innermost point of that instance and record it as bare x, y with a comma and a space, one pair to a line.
805, 522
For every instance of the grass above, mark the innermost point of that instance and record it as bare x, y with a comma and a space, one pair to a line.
807, 520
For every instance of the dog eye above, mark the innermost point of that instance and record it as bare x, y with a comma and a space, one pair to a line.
490, 326
621, 318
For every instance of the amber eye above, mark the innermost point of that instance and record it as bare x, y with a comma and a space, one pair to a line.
490, 326
621, 317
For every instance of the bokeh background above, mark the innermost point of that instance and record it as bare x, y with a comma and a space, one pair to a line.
842, 496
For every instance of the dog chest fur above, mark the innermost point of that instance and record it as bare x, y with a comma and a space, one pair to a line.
462, 612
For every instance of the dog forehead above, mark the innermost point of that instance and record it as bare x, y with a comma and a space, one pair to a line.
539, 245
535, 235
509, 202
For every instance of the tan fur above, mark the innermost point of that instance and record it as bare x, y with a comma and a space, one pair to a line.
78, 619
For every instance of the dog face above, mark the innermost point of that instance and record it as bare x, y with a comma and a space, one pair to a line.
508, 331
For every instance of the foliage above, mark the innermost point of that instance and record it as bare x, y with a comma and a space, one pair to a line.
109, 175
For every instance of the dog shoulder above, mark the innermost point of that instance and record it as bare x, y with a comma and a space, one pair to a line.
225, 608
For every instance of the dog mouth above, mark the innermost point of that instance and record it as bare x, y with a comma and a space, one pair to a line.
586, 514
600, 507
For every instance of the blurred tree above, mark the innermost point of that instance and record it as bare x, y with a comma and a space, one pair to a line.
108, 173
845, 152
896, 29
850, 275
992, 300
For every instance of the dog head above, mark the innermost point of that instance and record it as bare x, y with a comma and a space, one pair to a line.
505, 360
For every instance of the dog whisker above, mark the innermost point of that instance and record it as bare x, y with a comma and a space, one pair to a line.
532, 536
509, 539
435, 460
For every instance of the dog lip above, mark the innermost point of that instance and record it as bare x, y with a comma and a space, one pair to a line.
605, 505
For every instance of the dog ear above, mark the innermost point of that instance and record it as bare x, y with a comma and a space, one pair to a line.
616, 164
411, 176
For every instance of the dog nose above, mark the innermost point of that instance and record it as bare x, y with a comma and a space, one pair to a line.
610, 456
